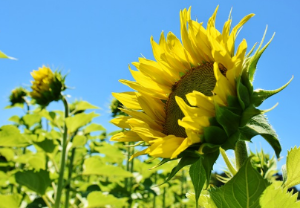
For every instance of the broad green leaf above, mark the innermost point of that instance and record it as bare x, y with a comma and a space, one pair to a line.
31, 119
15, 119
79, 141
111, 153
93, 127
98, 199
198, 177
293, 167
10, 201
95, 166
47, 145
79, 120
36, 181
205, 200
37, 161
7, 153
10, 136
275, 196
242, 191
84, 105
258, 125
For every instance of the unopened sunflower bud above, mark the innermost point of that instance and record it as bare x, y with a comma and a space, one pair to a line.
17, 96
47, 86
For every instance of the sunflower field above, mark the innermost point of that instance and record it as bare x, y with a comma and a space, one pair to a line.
184, 110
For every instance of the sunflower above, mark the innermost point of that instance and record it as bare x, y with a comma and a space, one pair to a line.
181, 99
46, 86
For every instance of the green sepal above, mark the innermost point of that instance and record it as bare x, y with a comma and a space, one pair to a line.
260, 95
208, 148
251, 112
231, 141
258, 125
184, 161
243, 94
200, 172
163, 161
234, 105
227, 119
214, 135
254, 59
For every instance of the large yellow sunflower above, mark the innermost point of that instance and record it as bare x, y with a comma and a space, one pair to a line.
176, 96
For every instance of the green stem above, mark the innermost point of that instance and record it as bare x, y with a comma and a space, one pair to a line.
164, 198
63, 158
69, 178
241, 154
154, 195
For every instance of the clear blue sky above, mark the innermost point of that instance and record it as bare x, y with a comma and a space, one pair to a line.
96, 40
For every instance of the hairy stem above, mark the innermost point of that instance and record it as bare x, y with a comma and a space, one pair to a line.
63, 158
241, 154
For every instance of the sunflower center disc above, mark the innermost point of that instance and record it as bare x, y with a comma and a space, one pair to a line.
201, 79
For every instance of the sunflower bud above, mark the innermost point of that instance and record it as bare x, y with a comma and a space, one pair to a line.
47, 86
17, 96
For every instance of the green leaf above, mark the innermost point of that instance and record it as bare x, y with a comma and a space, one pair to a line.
10, 201
31, 119
293, 167
93, 127
15, 119
242, 191
228, 120
275, 196
36, 181
47, 145
3, 55
198, 177
111, 153
10, 136
79, 120
258, 125
79, 141
37, 161
84, 105
8, 153
95, 166
184, 161
98, 199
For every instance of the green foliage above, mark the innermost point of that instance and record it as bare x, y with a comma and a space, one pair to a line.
275, 196
243, 190
79, 120
10, 136
98, 199
37, 181
293, 167
10, 201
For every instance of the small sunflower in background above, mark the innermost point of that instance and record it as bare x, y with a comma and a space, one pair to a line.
196, 96
46, 86
17, 96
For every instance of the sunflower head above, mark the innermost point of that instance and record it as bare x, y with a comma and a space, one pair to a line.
46, 86
17, 96
197, 96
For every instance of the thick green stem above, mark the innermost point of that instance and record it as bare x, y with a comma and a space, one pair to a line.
62, 159
241, 154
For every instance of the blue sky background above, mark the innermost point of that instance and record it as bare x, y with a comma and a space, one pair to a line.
96, 40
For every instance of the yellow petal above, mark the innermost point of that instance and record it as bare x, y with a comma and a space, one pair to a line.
127, 136
121, 122
128, 99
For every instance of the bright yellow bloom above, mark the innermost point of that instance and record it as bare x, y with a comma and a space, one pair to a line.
42, 78
175, 96
47, 86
